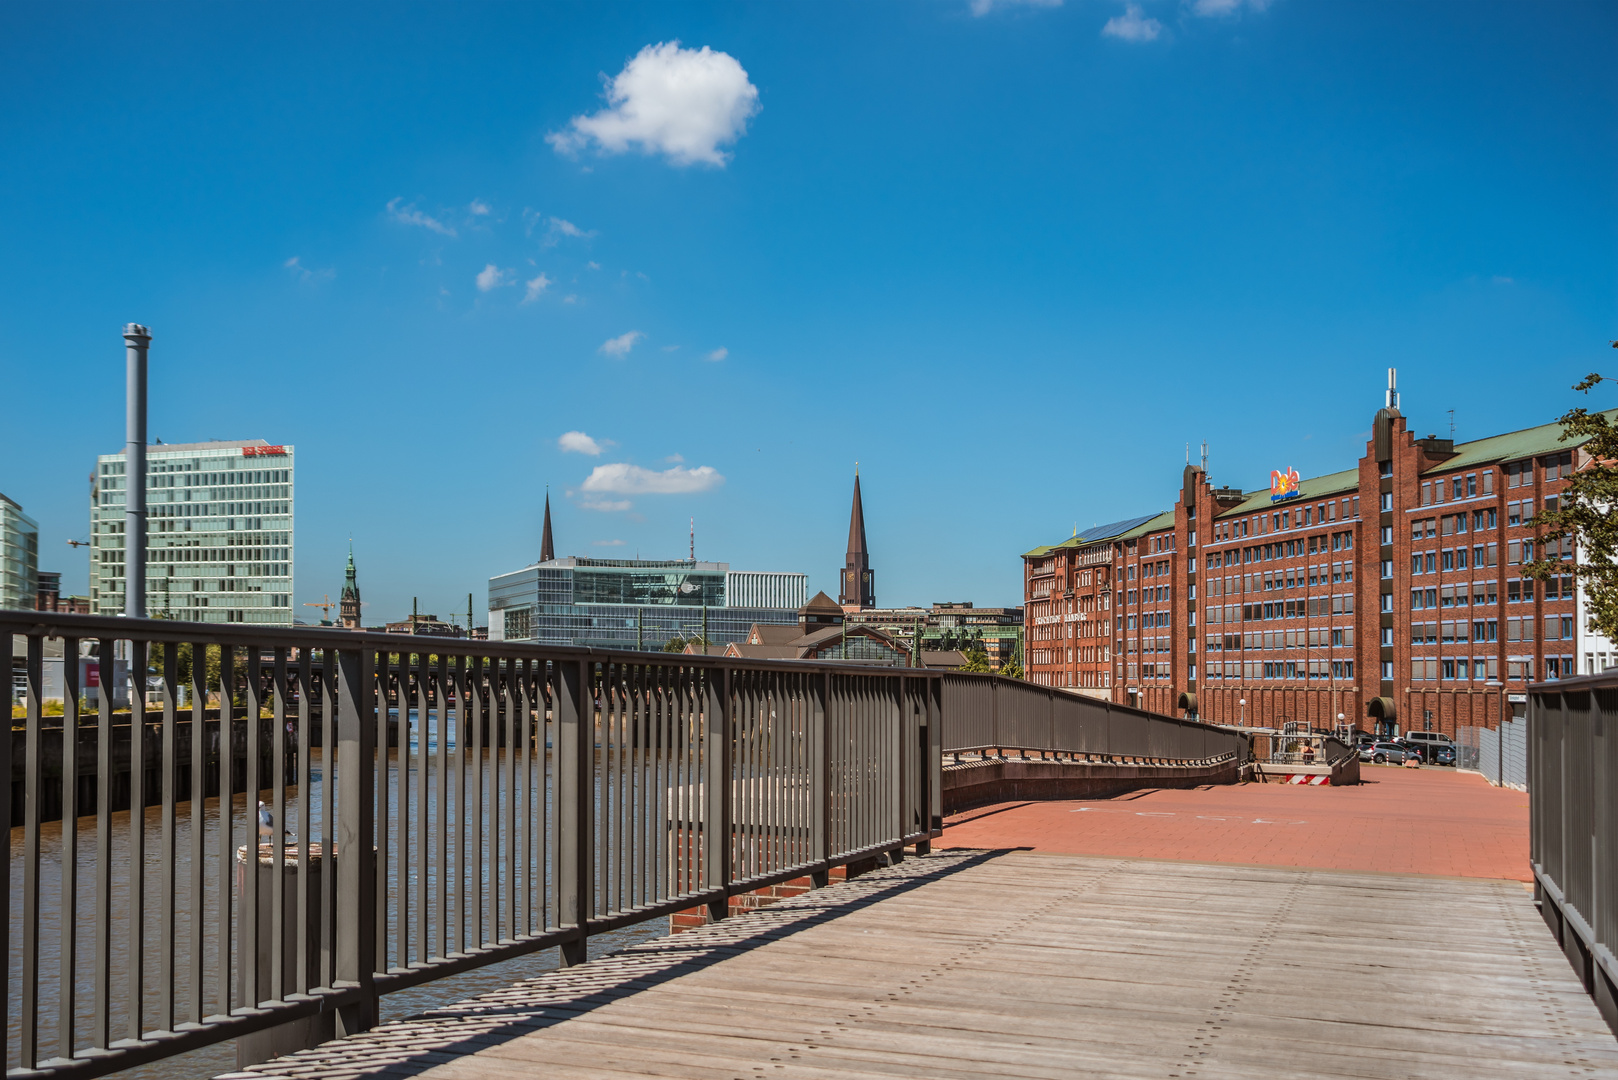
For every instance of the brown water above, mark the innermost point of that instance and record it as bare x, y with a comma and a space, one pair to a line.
119, 950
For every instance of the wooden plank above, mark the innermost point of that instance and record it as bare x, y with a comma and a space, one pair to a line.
1044, 966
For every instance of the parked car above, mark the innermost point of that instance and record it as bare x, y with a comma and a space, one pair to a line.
1444, 754
1385, 753
1413, 750
1428, 743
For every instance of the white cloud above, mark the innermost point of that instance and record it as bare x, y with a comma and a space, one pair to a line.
1132, 25
671, 348
607, 506
593, 265
305, 274
535, 286
1501, 280
409, 215
620, 345
684, 103
625, 479
570, 298
567, 228
607, 543
577, 442
718, 354
981, 8
1216, 8
491, 277
479, 208
674, 459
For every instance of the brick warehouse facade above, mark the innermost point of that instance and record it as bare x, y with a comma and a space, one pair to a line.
1391, 593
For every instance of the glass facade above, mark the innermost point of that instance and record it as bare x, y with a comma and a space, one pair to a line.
218, 533
624, 603
19, 556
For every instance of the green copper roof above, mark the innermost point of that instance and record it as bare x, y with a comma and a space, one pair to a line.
1314, 488
1512, 446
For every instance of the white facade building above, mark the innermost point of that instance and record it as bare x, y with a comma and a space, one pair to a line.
766, 589
19, 556
219, 533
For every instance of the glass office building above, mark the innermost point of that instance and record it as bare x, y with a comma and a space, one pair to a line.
218, 533
19, 556
637, 603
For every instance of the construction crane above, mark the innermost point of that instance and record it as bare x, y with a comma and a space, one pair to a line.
325, 605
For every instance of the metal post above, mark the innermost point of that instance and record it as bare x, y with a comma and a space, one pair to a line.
356, 857
819, 776
716, 762
136, 339
575, 803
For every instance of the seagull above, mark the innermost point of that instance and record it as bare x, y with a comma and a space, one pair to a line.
266, 822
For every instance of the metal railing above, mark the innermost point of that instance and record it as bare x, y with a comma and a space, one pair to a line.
430, 806
1573, 823
987, 712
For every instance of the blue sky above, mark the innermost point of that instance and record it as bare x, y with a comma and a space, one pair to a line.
1010, 257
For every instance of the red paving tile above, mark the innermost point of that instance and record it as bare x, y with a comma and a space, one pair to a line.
1403, 821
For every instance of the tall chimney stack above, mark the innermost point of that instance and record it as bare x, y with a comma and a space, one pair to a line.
136, 339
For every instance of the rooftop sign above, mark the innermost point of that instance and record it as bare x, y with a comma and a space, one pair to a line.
1284, 485
264, 451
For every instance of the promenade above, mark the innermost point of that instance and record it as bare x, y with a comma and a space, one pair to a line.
1030, 948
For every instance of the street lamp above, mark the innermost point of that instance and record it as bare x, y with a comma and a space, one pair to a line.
1243, 721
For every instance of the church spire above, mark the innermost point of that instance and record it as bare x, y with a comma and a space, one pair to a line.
348, 603
547, 548
856, 589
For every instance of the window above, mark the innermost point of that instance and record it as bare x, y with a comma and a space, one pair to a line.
1387, 500
1426, 493
1471, 484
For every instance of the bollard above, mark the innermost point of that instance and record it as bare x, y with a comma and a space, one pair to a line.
305, 1031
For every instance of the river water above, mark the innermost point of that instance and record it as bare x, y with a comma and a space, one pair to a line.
221, 1057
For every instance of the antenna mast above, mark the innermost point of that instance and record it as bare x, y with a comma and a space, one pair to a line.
693, 539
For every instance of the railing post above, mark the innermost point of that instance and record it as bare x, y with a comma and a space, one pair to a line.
902, 750
355, 945
934, 765
575, 805
819, 777
716, 769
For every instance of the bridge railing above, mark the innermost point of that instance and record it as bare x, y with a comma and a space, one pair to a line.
431, 805
1573, 838
988, 712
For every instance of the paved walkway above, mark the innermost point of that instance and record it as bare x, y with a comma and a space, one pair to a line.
990, 964
1406, 821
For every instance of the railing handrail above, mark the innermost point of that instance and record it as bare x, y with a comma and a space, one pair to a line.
172, 631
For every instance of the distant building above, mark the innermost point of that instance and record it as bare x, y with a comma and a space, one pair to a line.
19, 556
633, 603
219, 532
348, 603
857, 588
950, 627
48, 596
429, 625
821, 633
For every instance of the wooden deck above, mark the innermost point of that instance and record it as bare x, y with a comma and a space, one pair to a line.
967, 965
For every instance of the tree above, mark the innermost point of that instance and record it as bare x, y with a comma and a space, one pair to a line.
976, 658
1011, 669
1586, 514
674, 644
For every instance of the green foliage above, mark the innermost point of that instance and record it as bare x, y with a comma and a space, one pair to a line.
1588, 512
1011, 669
977, 659
695, 641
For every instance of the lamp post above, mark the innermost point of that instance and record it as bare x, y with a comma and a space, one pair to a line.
1243, 721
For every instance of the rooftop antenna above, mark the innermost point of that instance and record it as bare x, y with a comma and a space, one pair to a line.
1451, 425
693, 539
1393, 388
1205, 456
1188, 453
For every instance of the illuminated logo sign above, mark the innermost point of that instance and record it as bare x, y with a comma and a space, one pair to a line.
264, 451
1284, 485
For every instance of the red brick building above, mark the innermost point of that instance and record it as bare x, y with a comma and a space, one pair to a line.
1391, 593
